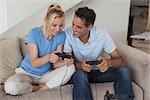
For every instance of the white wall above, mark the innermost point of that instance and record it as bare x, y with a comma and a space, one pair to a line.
3, 16
24, 15
17, 10
112, 15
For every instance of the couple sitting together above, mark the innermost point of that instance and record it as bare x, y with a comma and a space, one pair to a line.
42, 67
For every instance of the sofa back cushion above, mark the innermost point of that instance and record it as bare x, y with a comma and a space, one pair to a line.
10, 57
23, 46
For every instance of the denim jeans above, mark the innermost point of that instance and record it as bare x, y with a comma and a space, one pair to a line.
120, 76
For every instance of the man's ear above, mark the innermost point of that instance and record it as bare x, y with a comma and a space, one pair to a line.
90, 26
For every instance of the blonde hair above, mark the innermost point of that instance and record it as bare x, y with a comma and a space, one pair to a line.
53, 11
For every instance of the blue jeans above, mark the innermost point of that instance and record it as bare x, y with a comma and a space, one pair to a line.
120, 76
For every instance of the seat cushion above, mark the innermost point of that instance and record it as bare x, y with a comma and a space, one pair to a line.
65, 92
10, 57
103, 87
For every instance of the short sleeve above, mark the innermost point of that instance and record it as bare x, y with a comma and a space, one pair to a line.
62, 38
67, 46
109, 45
31, 37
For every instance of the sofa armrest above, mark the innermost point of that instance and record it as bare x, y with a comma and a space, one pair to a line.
139, 64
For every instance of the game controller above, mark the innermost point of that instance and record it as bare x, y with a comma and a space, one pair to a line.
63, 55
94, 63
109, 96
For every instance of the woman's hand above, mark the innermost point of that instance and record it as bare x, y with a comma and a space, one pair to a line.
69, 62
53, 58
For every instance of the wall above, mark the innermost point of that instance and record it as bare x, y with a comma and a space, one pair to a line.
27, 17
3, 16
112, 15
18, 10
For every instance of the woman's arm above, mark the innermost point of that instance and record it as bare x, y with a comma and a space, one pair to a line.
61, 62
33, 54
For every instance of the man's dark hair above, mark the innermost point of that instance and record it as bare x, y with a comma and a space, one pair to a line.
86, 14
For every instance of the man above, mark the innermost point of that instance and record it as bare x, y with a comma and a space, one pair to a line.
87, 43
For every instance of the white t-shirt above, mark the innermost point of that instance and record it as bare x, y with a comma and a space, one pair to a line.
99, 40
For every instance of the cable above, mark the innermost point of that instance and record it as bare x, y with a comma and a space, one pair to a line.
63, 56
63, 79
94, 72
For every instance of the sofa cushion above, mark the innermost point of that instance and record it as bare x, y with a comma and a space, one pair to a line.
10, 57
23, 46
65, 93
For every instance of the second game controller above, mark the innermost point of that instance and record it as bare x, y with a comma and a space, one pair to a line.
63, 55
94, 63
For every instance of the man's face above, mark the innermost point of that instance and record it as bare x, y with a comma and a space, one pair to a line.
78, 27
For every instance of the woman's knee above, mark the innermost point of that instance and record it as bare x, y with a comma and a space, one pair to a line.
71, 69
13, 84
68, 74
11, 87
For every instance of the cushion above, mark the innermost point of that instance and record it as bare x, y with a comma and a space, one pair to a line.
65, 93
10, 57
23, 46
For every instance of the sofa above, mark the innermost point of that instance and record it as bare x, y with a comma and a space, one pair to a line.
12, 50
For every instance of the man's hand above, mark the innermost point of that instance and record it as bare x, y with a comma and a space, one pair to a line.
53, 58
86, 67
104, 65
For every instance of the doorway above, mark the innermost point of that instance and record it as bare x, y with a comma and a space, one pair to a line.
138, 19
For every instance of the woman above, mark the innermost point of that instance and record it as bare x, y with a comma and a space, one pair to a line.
41, 68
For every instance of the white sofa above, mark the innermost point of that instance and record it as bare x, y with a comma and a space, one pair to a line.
11, 56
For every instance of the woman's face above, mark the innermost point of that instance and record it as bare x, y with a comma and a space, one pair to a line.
56, 26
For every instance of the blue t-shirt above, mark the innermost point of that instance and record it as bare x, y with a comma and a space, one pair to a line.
98, 42
36, 36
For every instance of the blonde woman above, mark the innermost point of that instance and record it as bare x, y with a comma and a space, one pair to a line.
41, 68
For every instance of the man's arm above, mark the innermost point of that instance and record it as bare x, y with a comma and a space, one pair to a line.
115, 61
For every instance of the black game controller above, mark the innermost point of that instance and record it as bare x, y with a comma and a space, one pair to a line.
63, 55
109, 96
94, 63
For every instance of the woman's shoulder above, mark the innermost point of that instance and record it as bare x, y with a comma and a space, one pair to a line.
61, 34
35, 31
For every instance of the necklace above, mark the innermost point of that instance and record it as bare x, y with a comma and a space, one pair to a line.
49, 37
